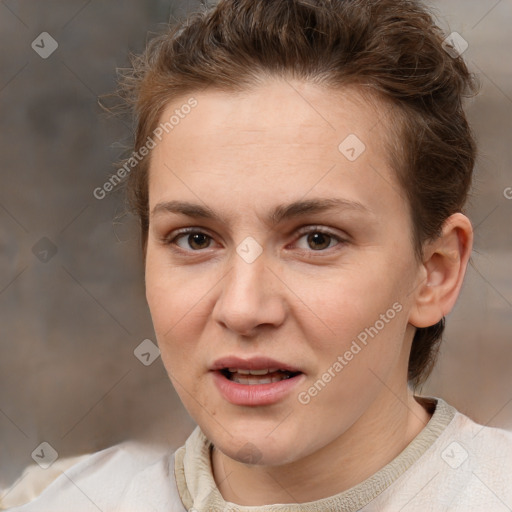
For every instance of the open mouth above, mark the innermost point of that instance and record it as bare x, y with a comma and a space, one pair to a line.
254, 377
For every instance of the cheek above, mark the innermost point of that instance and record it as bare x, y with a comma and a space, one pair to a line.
346, 303
172, 292
360, 349
174, 299
358, 330
177, 329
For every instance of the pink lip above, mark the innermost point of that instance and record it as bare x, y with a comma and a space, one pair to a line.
255, 394
254, 363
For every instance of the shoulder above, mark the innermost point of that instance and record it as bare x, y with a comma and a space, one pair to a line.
104, 479
467, 468
489, 449
476, 463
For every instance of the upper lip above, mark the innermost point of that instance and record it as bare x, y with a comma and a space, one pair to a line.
252, 363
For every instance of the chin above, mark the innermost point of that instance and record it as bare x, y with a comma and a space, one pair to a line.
252, 444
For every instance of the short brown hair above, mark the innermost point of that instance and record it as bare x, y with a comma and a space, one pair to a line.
392, 48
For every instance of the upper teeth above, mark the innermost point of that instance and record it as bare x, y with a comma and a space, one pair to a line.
253, 372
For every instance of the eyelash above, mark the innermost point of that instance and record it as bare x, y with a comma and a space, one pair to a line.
170, 241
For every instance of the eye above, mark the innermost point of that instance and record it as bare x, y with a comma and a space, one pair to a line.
191, 239
318, 239
315, 239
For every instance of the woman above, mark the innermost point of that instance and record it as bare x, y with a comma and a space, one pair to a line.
299, 171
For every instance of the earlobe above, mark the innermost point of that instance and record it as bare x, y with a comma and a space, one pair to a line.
442, 272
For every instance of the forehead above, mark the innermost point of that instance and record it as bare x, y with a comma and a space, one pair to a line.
280, 138
278, 111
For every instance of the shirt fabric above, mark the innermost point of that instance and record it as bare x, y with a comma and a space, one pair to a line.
453, 464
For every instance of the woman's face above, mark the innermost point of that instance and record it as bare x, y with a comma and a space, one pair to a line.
299, 258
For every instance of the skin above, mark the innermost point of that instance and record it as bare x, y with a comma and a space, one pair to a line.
242, 155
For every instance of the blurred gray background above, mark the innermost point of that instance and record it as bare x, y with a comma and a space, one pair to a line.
72, 301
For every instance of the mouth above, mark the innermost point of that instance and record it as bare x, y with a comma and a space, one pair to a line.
257, 377
257, 381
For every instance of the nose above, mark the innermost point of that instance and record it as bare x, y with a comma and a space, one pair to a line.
251, 296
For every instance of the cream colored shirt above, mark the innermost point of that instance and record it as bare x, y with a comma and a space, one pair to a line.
453, 464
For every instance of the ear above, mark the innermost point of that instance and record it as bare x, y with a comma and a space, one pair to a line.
441, 274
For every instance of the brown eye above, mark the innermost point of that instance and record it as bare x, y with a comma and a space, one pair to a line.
315, 239
318, 240
191, 240
198, 240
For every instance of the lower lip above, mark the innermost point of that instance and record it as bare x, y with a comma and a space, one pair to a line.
254, 394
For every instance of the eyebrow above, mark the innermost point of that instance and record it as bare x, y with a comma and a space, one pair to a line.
279, 214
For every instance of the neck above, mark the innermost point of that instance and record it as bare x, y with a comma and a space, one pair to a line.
375, 439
